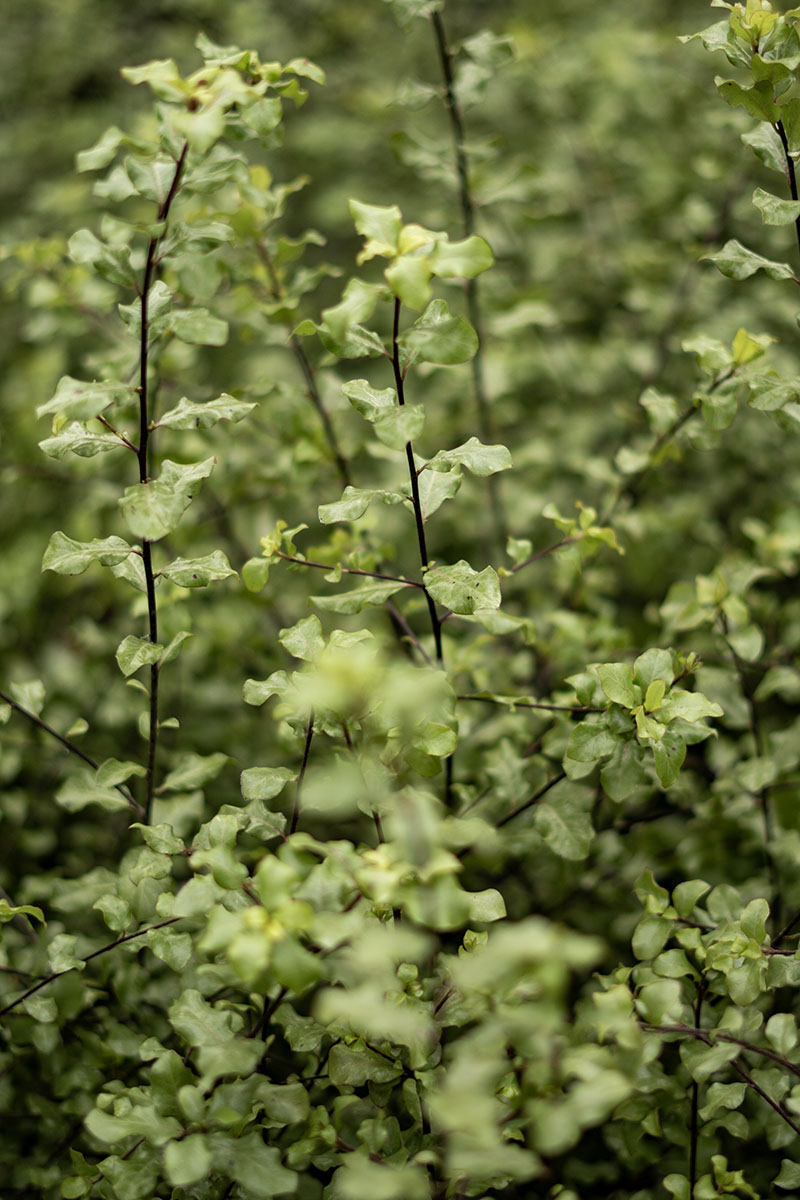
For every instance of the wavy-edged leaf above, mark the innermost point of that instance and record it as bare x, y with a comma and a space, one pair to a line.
188, 414
153, 509
68, 557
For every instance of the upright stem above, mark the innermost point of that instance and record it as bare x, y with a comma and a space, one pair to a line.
790, 172
302, 775
312, 387
454, 113
144, 470
695, 1096
436, 625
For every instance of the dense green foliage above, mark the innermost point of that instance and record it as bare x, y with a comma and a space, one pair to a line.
400, 744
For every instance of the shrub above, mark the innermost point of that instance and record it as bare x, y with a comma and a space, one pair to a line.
494, 894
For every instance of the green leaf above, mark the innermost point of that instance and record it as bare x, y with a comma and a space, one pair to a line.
463, 589
193, 771
102, 152
354, 503
200, 1023
400, 426
68, 557
370, 595
76, 439
78, 400
686, 895
789, 1175
617, 683
190, 415
133, 653
624, 771
737, 262
435, 487
173, 948
198, 572
590, 741
774, 210
757, 100
380, 226
359, 1178
409, 277
304, 640
111, 261
263, 783
781, 1032
112, 771
688, 706
198, 327
257, 1167
475, 456
134, 1178
356, 306
650, 936
652, 665
264, 115
669, 754
187, 1161
487, 905
152, 510
353, 1066
439, 337
564, 821
367, 401
460, 260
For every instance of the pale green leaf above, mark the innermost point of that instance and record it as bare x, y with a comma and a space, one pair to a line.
153, 509
190, 415
198, 572
68, 557
463, 589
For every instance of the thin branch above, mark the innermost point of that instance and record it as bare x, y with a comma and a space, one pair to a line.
534, 799
565, 541
703, 1035
467, 203
301, 776
790, 171
436, 625
307, 371
116, 433
73, 749
787, 929
129, 937
577, 710
695, 1097
400, 623
712, 1036
150, 268
779, 1109
307, 562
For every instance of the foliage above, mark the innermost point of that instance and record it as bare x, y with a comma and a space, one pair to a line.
399, 744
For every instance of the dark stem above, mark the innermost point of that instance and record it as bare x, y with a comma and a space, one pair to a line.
436, 625
790, 172
307, 562
129, 937
307, 371
471, 285
150, 267
73, 749
695, 1096
578, 710
534, 799
301, 776
762, 797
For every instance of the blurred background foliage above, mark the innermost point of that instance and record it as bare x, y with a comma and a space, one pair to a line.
604, 169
